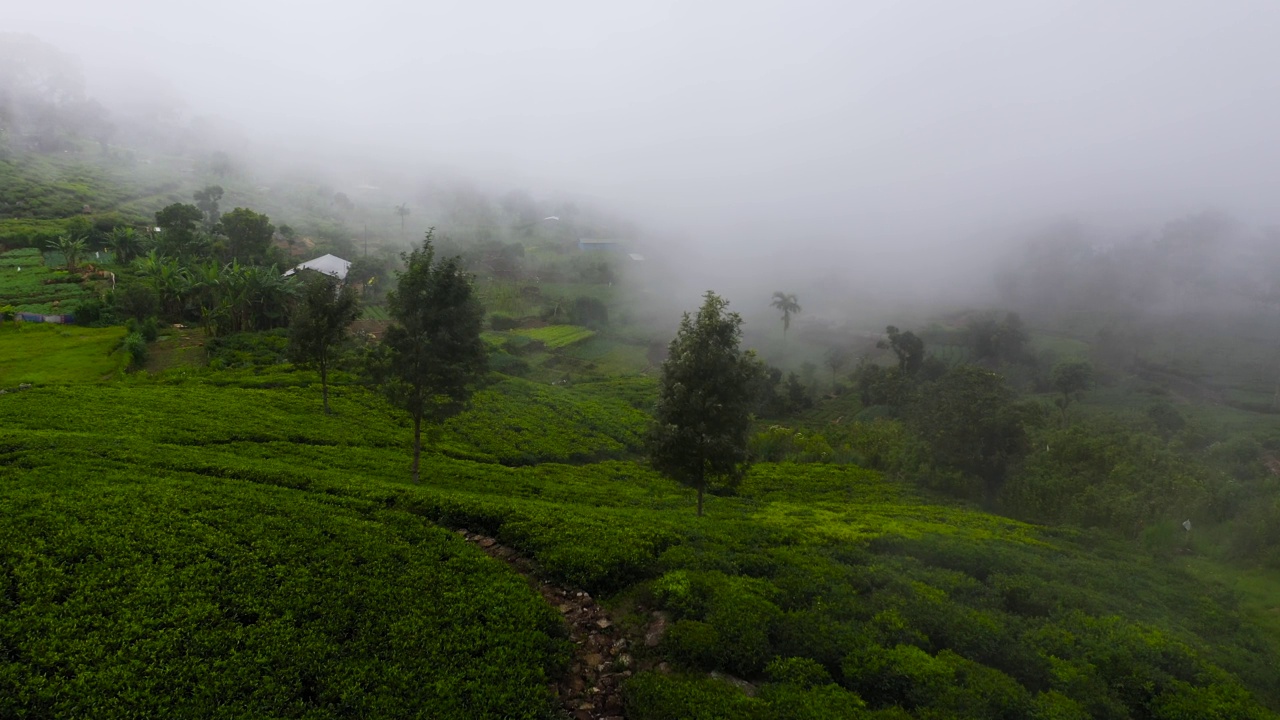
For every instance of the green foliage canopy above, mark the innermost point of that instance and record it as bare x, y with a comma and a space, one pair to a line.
248, 235
207, 200
704, 400
433, 354
1071, 379
906, 346
320, 323
971, 423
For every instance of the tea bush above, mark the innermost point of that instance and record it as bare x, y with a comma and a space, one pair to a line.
557, 336
179, 597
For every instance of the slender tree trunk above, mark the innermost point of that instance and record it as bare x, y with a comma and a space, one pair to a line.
417, 445
324, 383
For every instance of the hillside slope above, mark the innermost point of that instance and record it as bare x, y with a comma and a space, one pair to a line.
837, 593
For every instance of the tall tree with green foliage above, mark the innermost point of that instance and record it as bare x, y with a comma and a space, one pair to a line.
1072, 379
290, 237
906, 346
699, 433
996, 342
970, 422
788, 305
249, 235
432, 352
319, 324
207, 200
178, 224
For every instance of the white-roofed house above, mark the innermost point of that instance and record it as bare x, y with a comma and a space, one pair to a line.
328, 264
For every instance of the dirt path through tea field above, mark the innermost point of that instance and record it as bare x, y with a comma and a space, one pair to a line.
602, 659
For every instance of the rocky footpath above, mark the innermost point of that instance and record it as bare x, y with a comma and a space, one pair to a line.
602, 654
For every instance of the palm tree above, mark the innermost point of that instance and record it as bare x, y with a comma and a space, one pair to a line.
206, 289
125, 244
270, 297
171, 282
402, 210
233, 297
70, 247
786, 302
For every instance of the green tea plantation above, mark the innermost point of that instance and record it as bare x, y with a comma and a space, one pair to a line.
210, 544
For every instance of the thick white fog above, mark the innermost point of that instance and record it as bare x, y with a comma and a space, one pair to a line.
790, 136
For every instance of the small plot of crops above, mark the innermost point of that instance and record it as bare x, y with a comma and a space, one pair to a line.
375, 312
609, 358
28, 285
557, 336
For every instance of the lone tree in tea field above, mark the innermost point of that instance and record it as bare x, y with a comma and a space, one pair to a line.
432, 352
319, 324
700, 428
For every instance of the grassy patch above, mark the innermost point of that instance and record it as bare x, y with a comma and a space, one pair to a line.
177, 349
1061, 347
42, 353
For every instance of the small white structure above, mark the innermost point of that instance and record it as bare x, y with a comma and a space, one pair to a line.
327, 264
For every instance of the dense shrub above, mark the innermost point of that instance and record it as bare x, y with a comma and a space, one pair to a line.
651, 696
149, 329
92, 312
134, 300
1106, 475
135, 345
503, 322
590, 311
508, 364
248, 349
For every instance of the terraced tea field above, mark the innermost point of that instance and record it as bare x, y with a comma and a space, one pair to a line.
28, 285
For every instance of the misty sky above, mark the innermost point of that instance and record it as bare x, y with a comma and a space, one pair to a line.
875, 124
